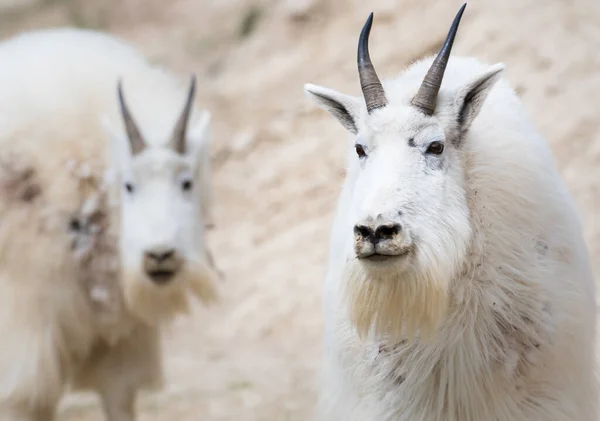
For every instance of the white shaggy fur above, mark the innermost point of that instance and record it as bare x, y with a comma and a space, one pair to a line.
77, 310
492, 315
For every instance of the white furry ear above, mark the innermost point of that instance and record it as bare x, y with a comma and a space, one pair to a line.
471, 97
199, 140
198, 135
120, 153
345, 108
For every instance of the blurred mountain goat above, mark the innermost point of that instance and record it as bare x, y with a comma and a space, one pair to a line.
104, 196
459, 286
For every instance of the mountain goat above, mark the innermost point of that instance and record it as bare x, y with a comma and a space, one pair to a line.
459, 285
104, 192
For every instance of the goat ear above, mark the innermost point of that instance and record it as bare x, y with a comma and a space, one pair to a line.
471, 97
345, 108
198, 134
120, 151
199, 138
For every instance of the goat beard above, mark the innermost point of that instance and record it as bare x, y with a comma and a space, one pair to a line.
396, 304
157, 303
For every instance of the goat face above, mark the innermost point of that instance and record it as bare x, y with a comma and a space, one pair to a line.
409, 201
162, 235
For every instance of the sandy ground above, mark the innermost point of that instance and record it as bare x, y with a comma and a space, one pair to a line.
278, 160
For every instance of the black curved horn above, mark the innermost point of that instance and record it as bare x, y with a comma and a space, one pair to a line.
133, 133
369, 82
177, 140
426, 97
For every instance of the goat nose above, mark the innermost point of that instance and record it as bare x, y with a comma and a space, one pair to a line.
160, 256
381, 232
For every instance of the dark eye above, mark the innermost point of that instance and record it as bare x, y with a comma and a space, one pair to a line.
435, 148
129, 187
186, 185
74, 224
360, 151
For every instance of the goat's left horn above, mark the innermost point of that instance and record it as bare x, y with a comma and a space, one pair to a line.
133, 133
426, 97
369, 82
177, 140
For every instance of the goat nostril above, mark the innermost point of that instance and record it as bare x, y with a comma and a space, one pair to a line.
161, 256
388, 231
363, 231
168, 254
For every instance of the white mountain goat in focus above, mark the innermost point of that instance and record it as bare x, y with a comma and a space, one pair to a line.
104, 194
459, 286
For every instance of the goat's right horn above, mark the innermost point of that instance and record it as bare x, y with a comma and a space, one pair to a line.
177, 140
426, 97
133, 133
369, 82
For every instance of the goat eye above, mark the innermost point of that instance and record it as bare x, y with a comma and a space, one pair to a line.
129, 187
435, 148
360, 151
186, 185
74, 224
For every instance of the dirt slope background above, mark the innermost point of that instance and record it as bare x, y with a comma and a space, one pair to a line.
278, 160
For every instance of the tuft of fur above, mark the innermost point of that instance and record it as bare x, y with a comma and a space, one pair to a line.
69, 318
414, 306
513, 314
173, 300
